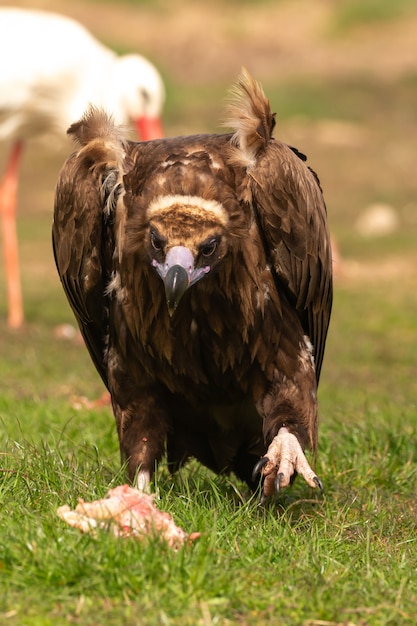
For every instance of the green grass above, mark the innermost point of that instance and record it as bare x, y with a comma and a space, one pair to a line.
349, 555
353, 13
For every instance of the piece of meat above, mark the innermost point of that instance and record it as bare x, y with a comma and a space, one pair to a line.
126, 512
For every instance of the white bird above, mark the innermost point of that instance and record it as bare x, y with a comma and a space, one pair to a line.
52, 70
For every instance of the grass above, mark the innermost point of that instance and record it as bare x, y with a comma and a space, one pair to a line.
349, 555
346, 558
353, 13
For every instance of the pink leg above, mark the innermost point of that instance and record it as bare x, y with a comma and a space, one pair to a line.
8, 200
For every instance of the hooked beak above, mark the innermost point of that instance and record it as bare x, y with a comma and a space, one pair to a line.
149, 128
176, 283
178, 273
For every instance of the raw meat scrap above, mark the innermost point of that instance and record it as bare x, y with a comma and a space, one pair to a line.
127, 512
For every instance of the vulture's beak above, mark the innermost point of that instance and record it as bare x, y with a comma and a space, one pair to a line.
176, 283
149, 128
178, 273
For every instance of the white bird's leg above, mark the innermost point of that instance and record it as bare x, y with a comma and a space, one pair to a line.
8, 200
283, 459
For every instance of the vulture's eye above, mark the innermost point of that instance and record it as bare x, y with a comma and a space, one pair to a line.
156, 242
208, 249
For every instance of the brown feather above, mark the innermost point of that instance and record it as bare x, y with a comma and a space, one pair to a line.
251, 118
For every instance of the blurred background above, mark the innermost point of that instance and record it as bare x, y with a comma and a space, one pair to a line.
342, 78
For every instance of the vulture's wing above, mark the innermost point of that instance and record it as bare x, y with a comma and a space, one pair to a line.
85, 201
290, 211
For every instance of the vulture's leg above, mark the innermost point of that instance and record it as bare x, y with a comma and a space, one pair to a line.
289, 410
142, 425
8, 201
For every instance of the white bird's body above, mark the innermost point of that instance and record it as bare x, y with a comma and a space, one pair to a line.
52, 70
56, 68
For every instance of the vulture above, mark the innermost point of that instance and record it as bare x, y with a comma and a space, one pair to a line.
199, 269
52, 69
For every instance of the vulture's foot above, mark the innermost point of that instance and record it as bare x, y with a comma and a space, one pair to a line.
282, 461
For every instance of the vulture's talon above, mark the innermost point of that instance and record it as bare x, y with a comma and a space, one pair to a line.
319, 483
258, 467
278, 480
263, 499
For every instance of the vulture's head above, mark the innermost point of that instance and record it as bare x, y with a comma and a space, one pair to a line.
186, 241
